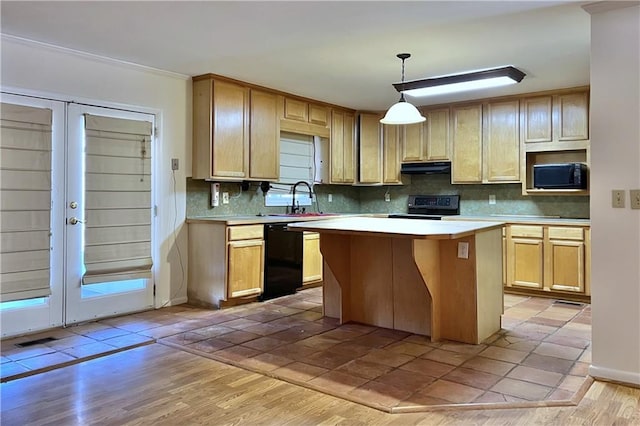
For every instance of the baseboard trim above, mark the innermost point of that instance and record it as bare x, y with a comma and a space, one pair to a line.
619, 376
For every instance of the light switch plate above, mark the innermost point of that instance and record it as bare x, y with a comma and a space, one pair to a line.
617, 198
463, 250
634, 195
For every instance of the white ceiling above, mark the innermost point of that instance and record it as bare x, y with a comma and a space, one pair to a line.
342, 52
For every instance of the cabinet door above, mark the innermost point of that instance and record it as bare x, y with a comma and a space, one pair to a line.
264, 136
342, 147
312, 258
414, 147
466, 132
536, 119
245, 268
391, 154
525, 260
295, 109
230, 144
525, 263
437, 135
337, 147
501, 143
572, 116
370, 148
565, 259
349, 148
319, 115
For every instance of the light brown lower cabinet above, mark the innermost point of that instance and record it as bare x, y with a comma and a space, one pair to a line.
312, 259
548, 260
226, 263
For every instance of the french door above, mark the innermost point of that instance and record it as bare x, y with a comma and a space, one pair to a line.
71, 300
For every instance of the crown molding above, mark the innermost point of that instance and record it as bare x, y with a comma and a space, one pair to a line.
92, 57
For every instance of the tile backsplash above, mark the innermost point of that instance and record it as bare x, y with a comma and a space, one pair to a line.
474, 199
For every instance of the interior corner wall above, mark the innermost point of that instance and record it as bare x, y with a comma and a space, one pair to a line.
33, 68
615, 164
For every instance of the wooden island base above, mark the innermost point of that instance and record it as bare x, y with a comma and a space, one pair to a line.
417, 284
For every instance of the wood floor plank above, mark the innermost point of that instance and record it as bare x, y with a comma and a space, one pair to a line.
160, 385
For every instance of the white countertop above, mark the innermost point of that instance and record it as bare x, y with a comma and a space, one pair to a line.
256, 220
533, 220
411, 228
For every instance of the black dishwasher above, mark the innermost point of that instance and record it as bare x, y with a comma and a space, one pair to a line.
283, 261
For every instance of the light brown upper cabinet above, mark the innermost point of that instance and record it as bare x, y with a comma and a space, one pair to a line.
555, 118
236, 131
264, 140
369, 148
342, 147
554, 128
308, 112
428, 141
391, 144
501, 142
485, 140
378, 151
220, 130
466, 134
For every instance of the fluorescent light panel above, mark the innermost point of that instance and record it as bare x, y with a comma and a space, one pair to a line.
461, 82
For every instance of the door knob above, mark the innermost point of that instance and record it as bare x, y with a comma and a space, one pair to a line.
74, 221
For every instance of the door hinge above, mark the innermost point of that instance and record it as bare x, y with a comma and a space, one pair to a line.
155, 132
154, 289
155, 211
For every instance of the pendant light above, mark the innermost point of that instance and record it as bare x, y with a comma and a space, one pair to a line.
402, 112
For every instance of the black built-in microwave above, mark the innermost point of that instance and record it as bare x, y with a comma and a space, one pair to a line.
560, 176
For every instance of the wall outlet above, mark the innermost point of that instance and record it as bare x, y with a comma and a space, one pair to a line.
215, 194
617, 198
175, 164
463, 250
492, 199
634, 195
387, 197
225, 198
330, 198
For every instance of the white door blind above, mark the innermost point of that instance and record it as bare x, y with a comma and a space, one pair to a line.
117, 240
25, 202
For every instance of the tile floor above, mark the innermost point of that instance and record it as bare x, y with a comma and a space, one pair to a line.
541, 354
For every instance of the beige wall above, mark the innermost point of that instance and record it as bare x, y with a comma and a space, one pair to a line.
33, 68
615, 164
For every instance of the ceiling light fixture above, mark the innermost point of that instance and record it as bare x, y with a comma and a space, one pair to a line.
402, 112
481, 79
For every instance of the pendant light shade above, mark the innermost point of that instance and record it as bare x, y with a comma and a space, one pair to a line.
402, 112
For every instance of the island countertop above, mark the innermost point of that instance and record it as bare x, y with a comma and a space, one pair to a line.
409, 228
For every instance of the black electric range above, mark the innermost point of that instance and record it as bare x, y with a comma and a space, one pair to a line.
431, 207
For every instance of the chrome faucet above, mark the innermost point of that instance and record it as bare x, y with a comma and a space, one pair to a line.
294, 209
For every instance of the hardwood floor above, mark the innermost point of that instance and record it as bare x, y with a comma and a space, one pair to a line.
160, 385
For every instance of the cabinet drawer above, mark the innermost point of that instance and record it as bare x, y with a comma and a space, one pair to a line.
561, 233
246, 232
530, 231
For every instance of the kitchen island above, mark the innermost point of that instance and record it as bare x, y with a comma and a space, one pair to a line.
436, 278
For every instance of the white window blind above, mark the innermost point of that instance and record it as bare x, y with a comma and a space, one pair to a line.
117, 240
25, 202
296, 158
